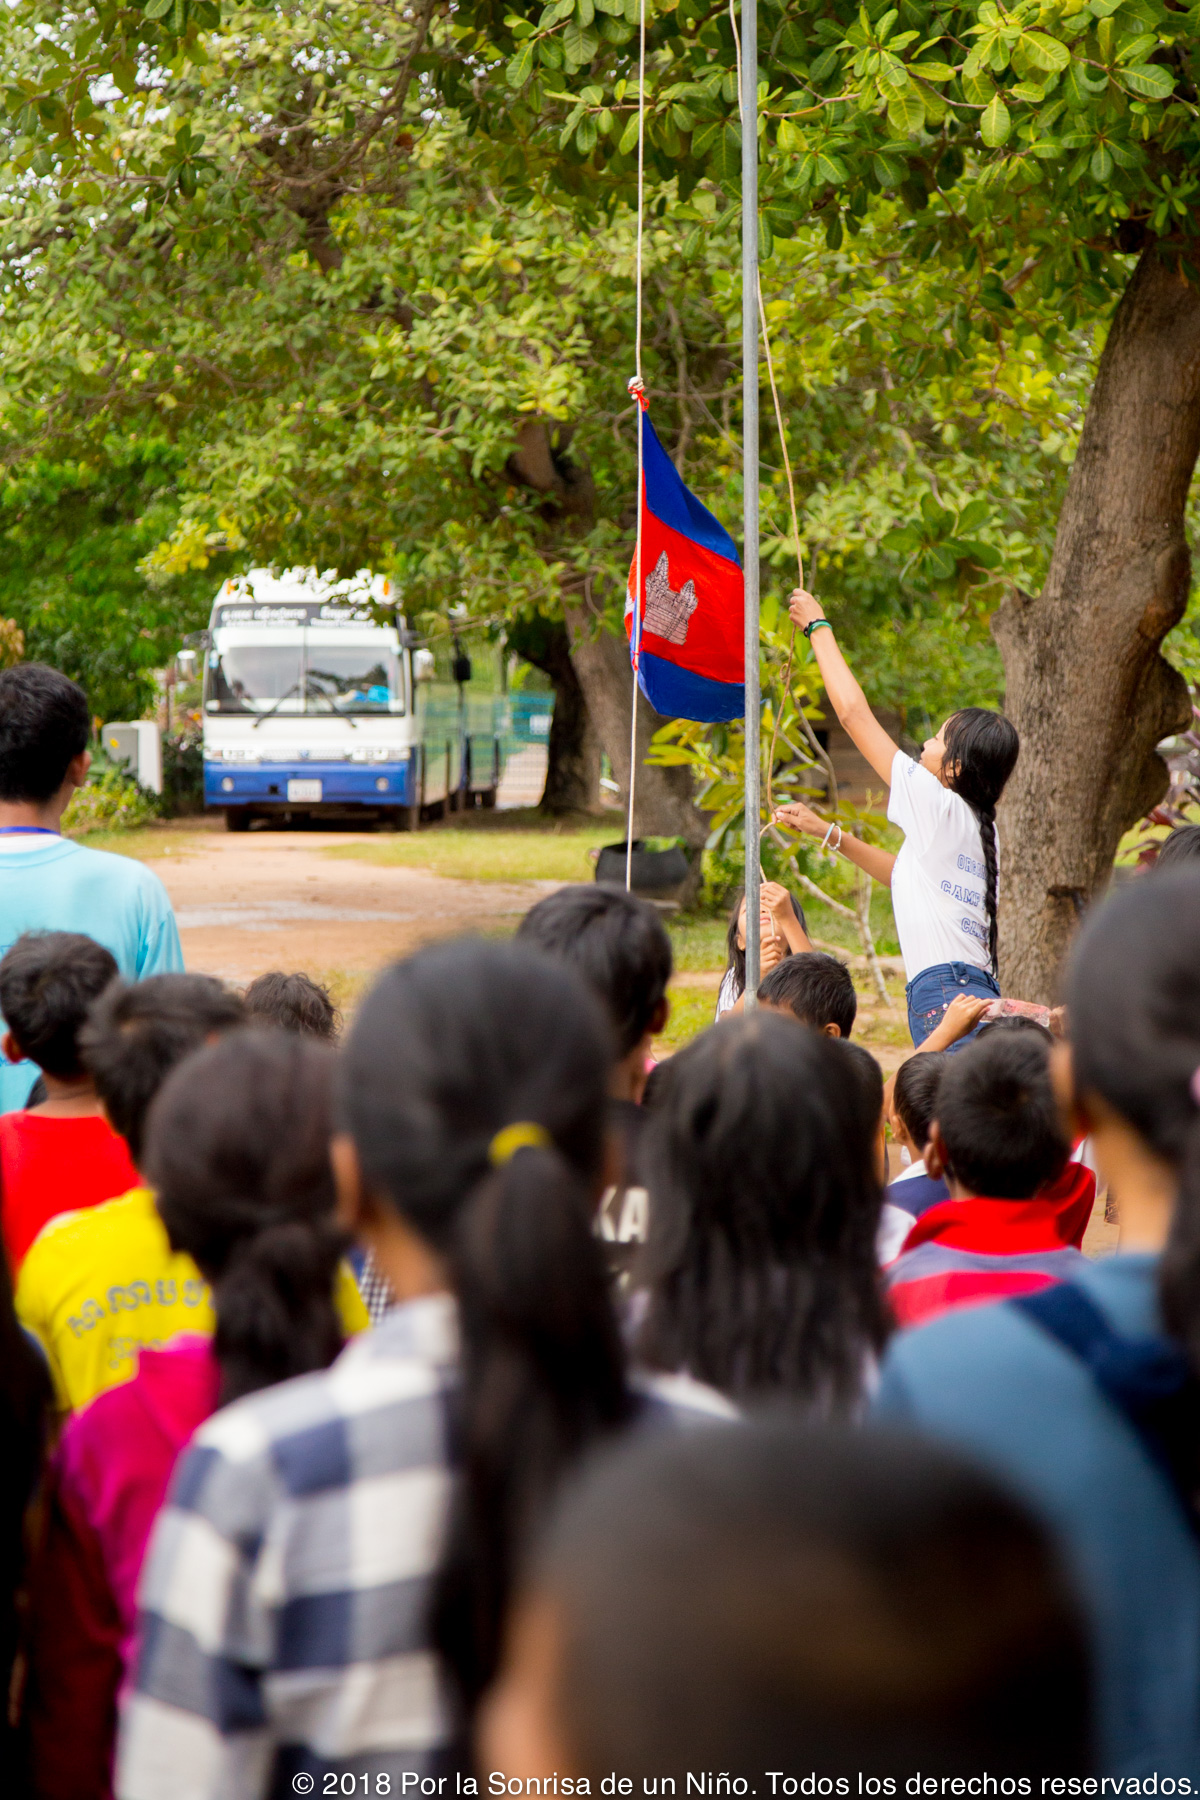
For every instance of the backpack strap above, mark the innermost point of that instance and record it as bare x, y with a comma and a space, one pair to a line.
1147, 1379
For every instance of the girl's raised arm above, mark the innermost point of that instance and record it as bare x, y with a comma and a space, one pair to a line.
845, 696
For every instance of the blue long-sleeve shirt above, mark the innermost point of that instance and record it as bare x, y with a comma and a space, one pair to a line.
991, 1382
49, 883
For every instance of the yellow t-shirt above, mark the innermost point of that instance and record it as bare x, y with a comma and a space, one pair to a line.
99, 1285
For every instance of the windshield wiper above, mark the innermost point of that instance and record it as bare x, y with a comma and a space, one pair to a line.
263, 717
320, 694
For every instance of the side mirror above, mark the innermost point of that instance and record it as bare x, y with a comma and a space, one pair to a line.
422, 665
185, 665
461, 667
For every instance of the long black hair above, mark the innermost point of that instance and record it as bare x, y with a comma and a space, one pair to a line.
237, 1150
1133, 1000
760, 1268
736, 953
981, 753
449, 1049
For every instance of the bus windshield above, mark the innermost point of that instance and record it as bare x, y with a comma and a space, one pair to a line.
310, 678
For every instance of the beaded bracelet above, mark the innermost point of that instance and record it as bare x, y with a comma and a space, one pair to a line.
815, 625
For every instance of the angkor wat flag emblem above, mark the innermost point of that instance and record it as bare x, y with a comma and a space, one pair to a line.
686, 642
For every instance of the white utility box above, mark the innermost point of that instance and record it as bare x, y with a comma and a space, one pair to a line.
139, 746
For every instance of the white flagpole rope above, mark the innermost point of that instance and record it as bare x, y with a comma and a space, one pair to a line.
638, 391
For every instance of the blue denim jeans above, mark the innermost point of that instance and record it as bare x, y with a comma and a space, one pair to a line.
930, 993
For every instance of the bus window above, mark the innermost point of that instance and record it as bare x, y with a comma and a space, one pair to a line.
350, 680
253, 678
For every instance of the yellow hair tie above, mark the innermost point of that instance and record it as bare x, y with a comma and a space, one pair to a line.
523, 1135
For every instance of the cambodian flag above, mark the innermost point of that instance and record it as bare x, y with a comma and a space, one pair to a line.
687, 645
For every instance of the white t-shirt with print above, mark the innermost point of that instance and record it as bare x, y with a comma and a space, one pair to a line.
939, 880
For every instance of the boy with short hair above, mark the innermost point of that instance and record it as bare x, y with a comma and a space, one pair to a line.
98, 1285
47, 882
1014, 1198
816, 988
912, 1101
620, 947
62, 1155
294, 1003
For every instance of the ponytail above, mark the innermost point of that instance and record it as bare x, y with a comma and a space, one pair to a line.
274, 1301
543, 1376
981, 753
237, 1149
465, 1057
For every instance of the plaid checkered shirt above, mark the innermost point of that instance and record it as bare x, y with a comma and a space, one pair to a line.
286, 1589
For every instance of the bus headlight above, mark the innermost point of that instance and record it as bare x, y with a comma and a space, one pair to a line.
227, 785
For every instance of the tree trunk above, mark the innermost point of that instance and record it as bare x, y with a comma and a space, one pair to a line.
663, 805
662, 799
573, 762
1086, 686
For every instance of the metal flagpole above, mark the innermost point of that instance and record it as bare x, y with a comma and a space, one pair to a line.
749, 98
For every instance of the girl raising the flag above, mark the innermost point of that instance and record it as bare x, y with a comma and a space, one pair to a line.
944, 879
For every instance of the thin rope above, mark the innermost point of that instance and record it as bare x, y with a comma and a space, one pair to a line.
638, 390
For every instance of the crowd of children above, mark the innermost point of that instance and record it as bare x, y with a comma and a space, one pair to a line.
460, 1395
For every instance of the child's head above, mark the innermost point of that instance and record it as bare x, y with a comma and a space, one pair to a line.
817, 988
914, 1097
48, 982
137, 1032
294, 1003
44, 727
1133, 1008
1178, 850
997, 1130
473, 1112
620, 947
769, 1596
735, 939
868, 1077
237, 1151
764, 1203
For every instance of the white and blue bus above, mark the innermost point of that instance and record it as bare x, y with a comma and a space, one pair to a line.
319, 703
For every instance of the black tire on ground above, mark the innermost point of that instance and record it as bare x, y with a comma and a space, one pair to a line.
237, 818
487, 798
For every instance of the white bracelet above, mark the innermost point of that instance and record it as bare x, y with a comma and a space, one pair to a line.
825, 840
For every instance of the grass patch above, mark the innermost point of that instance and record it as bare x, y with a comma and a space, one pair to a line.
691, 1013
142, 843
699, 944
508, 846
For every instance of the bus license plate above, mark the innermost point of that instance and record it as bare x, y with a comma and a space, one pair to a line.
304, 790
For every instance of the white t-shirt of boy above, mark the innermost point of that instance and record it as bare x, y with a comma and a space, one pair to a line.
939, 881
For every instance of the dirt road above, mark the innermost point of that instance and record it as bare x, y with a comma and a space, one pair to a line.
272, 900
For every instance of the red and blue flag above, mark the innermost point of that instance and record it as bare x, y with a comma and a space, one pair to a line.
686, 637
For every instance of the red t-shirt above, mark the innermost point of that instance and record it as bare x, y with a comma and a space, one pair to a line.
50, 1166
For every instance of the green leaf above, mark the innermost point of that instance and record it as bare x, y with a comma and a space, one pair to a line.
1102, 163
728, 157
585, 137
629, 138
901, 540
1137, 49
824, 65
935, 515
792, 41
585, 12
996, 124
972, 515
580, 42
157, 9
906, 114
519, 69
889, 172
568, 130
986, 555
1148, 80
830, 168
1045, 52
931, 71
766, 242
978, 89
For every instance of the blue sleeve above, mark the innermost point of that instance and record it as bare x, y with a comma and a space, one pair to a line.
159, 951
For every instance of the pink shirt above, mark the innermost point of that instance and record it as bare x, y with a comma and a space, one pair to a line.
117, 1456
